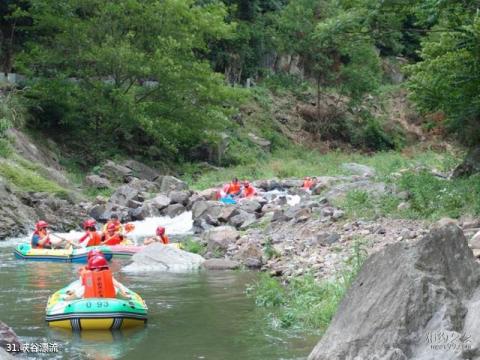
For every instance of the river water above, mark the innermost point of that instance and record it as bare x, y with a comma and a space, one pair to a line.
198, 315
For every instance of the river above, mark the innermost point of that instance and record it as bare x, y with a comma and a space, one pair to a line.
198, 315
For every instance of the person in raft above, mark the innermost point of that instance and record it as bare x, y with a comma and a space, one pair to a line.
111, 236
160, 237
96, 263
234, 188
41, 238
248, 190
91, 236
308, 183
116, 222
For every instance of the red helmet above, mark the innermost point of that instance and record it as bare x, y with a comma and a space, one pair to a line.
111, 227
160, 230
93, 253
41, 225
97, 263
89, 223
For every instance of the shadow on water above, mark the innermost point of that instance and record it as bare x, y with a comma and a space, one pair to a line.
199, 315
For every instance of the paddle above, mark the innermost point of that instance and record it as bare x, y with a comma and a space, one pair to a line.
66, 240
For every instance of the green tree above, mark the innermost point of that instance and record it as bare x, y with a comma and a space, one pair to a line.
128, 74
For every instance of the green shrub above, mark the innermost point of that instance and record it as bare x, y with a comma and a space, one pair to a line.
193, 246
305, 302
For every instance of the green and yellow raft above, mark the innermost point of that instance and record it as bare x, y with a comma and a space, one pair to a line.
95, 313
26, 252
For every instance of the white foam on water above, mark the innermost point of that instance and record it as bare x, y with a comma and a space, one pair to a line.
179, 225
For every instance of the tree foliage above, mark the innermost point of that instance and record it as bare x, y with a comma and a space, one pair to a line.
128, 74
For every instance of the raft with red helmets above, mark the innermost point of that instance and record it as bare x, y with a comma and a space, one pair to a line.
25, 251
96, 301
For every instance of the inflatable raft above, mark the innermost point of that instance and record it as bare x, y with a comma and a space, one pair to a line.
25, 252
95, 313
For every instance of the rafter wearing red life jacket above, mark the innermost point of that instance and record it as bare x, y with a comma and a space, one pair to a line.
40, 238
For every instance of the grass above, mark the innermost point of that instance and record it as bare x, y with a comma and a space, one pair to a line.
304, 302
94, 192
297, 162
431, 198
26, 179
194, 246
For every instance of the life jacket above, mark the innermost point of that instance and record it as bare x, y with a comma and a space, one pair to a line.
98, 284
94, 237
39, 246
165, 239
118, 226
308, 184
249, 191
115, 239
233, 188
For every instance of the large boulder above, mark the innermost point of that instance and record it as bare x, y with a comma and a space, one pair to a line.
170, 183
219, 238
250, 255
97, 182
423, 295
159, 257
143, 185
116, 172
179, 197
359, 169
160, 201
470, 165
123, 194
250, 206
8, 338
141, 171
203, 208
242, 218
174, 210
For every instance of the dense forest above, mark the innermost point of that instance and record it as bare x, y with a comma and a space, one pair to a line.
159, 79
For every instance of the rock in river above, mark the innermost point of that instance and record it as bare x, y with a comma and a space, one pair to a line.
158, 257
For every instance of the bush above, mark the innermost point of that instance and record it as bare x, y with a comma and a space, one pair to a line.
193, 246
304, 302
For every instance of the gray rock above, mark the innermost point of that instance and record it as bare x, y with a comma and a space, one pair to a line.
170, 183
133, 204
96, 211
250, 255
97, 182
141, 170
221, 264
338, 214
8, 337
403, 206
208, 194
220, 238
159, 257
257, 140
179, 197
250, 206
202, 208
475, 241
226, 213
291, 183
470, 165
123, 195
358, 169
174, 210
426, 288
142, 212
143, 185
160, 201
241, 217
326, 238
116, 172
